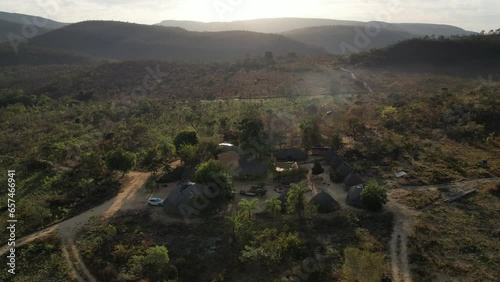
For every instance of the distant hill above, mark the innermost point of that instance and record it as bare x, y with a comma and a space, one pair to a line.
32, 55
473, 50
127, 41
9, 27
431, 29
343, 39
281, 25
272, 25
33, 20
354, 38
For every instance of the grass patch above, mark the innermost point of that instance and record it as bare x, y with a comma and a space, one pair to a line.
458, 240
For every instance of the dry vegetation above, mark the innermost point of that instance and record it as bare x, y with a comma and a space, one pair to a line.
459, 241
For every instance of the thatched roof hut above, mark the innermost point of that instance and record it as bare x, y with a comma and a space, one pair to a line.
329, 154
334, 162
352, 180
290, 155
354, 196
180, 200
324, 202
251, 167
343, 171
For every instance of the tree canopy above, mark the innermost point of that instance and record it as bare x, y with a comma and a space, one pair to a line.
121, 160
185, 137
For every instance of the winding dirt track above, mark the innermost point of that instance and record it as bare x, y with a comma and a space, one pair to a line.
68, 230
357, 79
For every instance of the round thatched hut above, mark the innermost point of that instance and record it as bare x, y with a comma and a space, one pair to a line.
324, 202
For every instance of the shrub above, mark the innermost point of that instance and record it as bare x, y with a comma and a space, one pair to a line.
374, 196
317, 168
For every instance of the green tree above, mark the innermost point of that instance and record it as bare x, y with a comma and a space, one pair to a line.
310, 133
185, 137
121, 160
247, 208
216, 178
356, 127
374, 195
271, 246
317, 168
152, 160
188, 154
253, 138
86, 185
336, 142
273, 206
296, 201
153, 265
207, 150
167, 148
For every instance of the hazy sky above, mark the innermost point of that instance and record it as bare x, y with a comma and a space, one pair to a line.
472, 15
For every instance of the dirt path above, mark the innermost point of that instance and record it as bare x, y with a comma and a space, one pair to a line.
130, 197
404, 221
357, 79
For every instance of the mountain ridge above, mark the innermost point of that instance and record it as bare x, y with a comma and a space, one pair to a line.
128, 41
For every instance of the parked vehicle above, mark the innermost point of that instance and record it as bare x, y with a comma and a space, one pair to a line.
155, 202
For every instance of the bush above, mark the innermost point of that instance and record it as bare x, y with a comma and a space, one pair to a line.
374, 196
291, 176
121, 160
317, 168
335, 177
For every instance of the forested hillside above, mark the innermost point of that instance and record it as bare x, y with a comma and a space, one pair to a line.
126, 41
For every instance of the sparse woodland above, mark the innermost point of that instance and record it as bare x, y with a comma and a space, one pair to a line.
72, 131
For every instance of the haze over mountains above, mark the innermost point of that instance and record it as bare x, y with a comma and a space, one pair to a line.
197, 41
281, 25
19, 24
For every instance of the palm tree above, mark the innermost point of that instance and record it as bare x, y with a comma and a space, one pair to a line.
273, 206
247, 208
296, 198
235, 221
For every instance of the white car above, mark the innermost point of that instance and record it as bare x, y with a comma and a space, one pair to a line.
155, 202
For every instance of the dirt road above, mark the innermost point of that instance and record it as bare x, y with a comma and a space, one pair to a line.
405, 219
131, 197
357, 79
